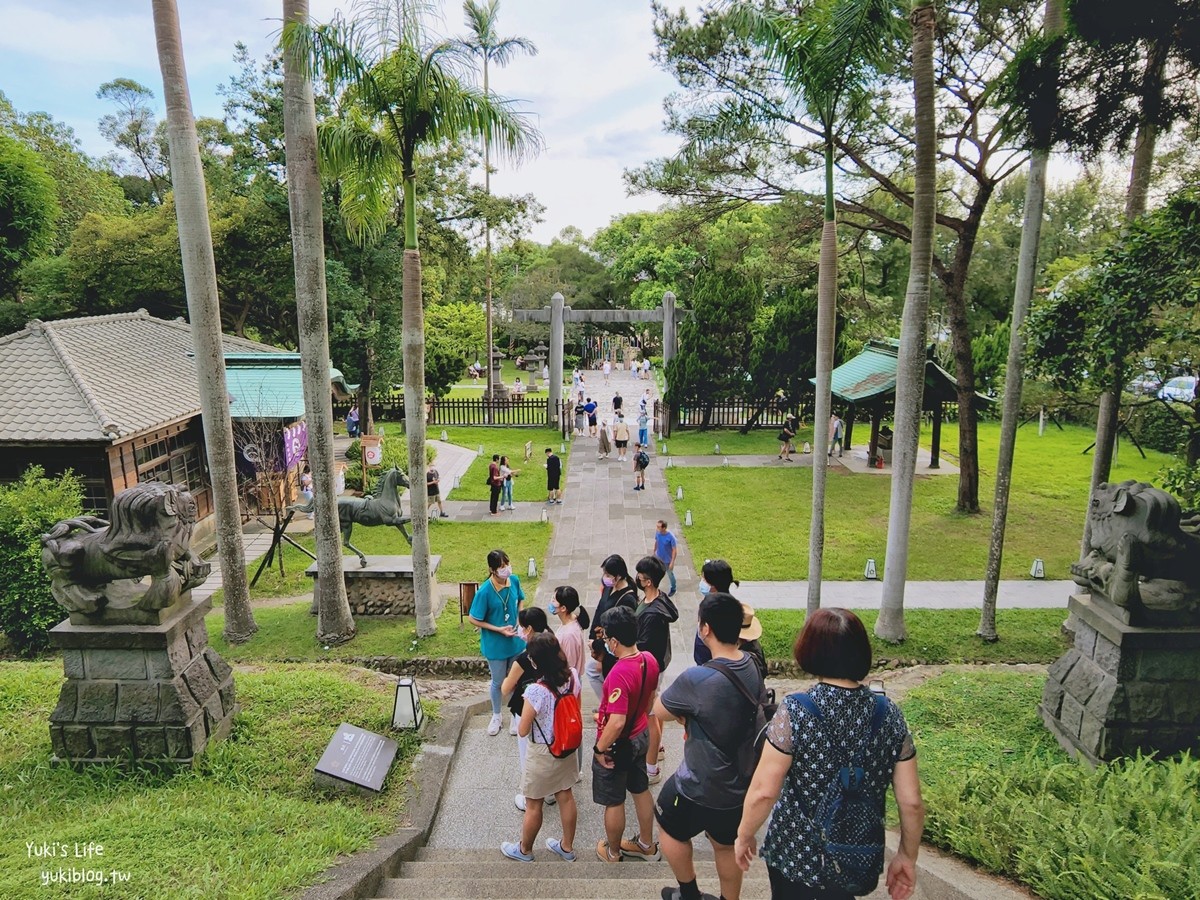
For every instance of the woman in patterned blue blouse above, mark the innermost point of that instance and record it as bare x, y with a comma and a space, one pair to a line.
802, 756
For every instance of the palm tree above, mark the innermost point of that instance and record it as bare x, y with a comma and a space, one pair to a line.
826, 56
1031, 231
204, 309
489, 47
910, 367
335, 624
400, 99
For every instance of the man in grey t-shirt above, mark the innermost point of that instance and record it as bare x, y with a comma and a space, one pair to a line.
707, 791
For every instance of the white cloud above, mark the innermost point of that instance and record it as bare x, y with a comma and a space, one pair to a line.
592, 88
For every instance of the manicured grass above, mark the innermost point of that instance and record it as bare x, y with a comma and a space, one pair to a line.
1046, 511
939, 636
759, 441
510, 442
1000, 792
246, 822
289, 633
463, 546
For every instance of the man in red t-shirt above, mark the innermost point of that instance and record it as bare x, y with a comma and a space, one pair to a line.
622, 737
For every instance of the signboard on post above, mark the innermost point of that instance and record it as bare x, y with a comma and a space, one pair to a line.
372, 449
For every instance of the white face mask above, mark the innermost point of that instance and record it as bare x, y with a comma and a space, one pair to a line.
504, 573
705, 587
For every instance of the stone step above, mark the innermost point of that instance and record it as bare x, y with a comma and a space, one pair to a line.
481, 867
543, 888
586, 852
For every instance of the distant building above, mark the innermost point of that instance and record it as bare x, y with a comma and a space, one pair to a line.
116, 398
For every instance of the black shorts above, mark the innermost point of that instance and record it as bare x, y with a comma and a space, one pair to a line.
683, 819
610, 785
552, 484
621, 445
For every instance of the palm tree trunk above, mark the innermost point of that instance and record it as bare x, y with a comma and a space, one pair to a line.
413, 337
487, 257
1140, 170
910, 367
204, 309
826, 326
335, 624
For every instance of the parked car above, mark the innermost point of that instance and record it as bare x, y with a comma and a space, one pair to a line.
1182, 389
1147, 383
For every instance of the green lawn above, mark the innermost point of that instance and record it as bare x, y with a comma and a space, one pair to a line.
689, 442
1049, 495
1001, 793
245, 823
289, 633
510, 442
939, 636
463, 546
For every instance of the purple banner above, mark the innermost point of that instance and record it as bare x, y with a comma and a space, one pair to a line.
295, 443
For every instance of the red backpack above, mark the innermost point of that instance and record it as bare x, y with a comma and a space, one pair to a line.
568, 722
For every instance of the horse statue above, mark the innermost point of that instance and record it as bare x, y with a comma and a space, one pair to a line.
381, 507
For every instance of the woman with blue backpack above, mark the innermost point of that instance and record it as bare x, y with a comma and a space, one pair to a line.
823, 775
553, 723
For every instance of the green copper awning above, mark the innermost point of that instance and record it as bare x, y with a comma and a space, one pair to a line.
870, 377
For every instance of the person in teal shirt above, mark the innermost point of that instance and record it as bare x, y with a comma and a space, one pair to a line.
494, 612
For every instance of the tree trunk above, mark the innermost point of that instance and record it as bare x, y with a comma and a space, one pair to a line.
964, 361
826, 325
1140, 170
1014, 375
413, 334
335, 624
200, 285
910, 367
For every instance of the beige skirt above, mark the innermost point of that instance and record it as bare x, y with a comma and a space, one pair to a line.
544, 775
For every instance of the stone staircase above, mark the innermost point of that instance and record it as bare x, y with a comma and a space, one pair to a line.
486, 875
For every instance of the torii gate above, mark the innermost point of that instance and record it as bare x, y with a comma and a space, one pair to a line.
558, 314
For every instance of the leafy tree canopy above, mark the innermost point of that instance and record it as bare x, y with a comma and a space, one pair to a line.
28, 210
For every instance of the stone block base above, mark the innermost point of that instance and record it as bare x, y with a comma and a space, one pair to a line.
384, 587
141, 693
1123, 689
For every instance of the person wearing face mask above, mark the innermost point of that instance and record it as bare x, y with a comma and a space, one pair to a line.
494, 612
530, 621
715, 575
617, 591
655, 614
573, 624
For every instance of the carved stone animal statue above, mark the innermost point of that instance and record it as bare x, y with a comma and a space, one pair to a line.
381, 507
1139, 556
150, 534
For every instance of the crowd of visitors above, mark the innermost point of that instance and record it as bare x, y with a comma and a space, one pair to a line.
813, 769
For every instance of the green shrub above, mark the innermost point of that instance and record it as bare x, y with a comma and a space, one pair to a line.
1000, 792
29, 508
395, 453
1159, 428
1183, 481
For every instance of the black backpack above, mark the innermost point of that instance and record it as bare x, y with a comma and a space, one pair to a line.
764, 706
643, 459
849, 825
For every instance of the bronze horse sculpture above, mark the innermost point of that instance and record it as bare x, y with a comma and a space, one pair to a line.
380, 507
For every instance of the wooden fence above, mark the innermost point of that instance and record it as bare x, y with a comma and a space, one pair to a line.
732, 414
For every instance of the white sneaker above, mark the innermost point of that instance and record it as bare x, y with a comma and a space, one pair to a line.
519, 802
512, 726
494, 725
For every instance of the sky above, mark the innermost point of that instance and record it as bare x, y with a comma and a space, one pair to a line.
592, 89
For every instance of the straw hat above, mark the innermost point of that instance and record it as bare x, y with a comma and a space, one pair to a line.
751, 627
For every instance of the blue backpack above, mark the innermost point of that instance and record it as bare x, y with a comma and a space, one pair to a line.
849, 826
